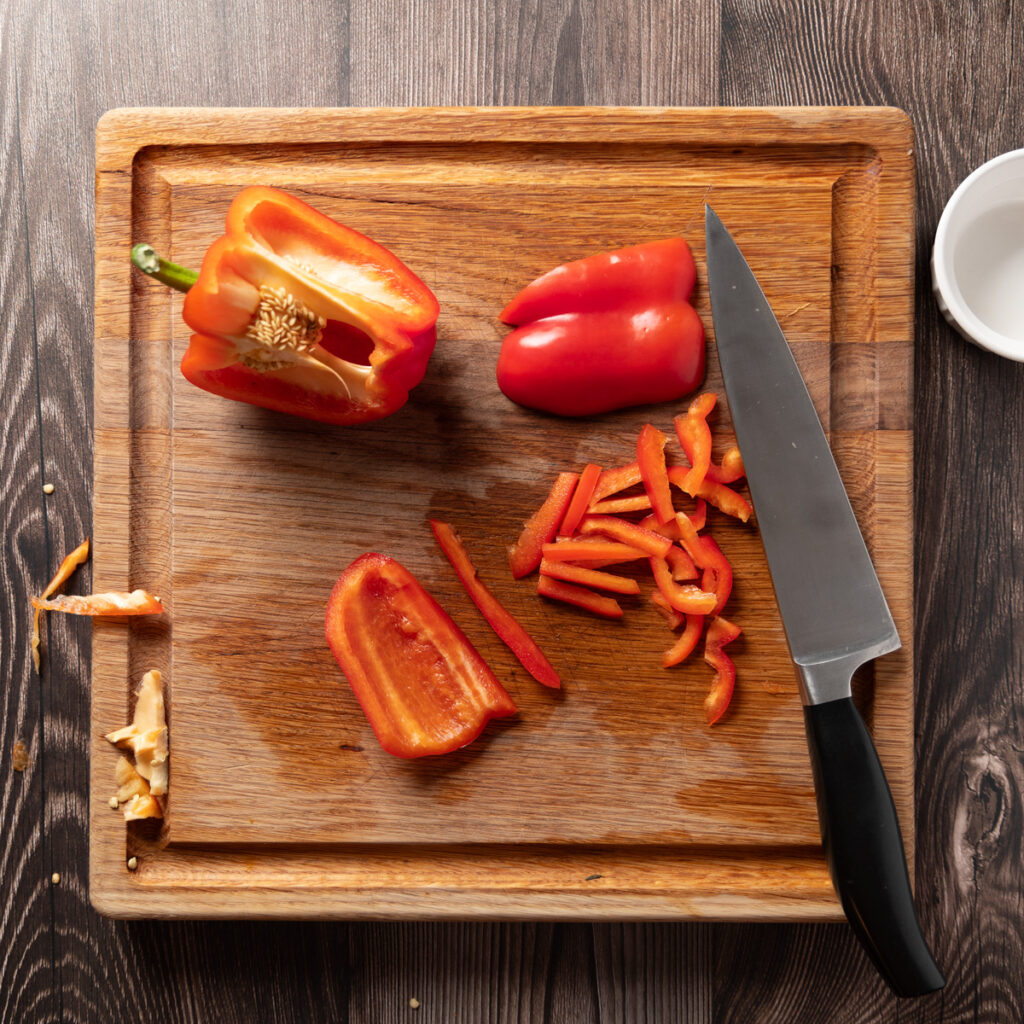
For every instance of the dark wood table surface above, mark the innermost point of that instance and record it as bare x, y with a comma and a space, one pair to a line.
955, 66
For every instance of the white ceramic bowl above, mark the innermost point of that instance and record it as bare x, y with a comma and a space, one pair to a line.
978, 257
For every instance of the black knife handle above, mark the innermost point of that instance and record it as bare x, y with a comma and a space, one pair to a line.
861, 836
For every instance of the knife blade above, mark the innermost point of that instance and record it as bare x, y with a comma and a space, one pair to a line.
832, 606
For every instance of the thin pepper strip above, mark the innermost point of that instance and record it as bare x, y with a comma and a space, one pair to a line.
730, 470
109, 605
580, 499
686, 598
706, 554
524, 556
724, 498
720, 633
695, 437
522, 645
628, 533
422, 685
618, 479
63, 574
592, 549
672, 617
687, 642
589, 577
580, 597
615, 506
650, 457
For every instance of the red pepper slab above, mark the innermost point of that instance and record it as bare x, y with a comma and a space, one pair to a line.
650, 457
580, 597
297, 313
522, 645
686, 643
422, 685
581, 364
524, 556
695, 437
651, 272
618, 479
580, 499
720, 633
589, 577
627, 533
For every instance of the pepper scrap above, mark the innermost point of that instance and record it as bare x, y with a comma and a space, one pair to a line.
720, 633
522, 645
108, 605
297, 313
422, 685
606, 332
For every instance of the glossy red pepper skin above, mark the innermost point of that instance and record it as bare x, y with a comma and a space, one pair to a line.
720, 633
524, 556
422, 685
582, 364
380, 317
660, 271
501, 620
650, 457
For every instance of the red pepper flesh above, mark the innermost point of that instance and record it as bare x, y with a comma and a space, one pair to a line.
581, 364
686, 643
686, 598
618, 479
502, 621
422, 685
589, 577
580, 597
627, 533
614, 506
524, 556
660, 271
580, 499
592, 549
695, 438
297, 313
650, 457
720, 633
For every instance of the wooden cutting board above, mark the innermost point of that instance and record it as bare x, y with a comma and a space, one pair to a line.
611, 798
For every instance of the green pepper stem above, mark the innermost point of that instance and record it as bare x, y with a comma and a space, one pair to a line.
145, 258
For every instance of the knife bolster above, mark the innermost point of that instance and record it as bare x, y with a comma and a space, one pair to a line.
828, 678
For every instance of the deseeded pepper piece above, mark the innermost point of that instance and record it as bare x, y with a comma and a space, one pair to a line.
724, 498
592, 549
109, 605
650, 457
695, 437
501, 620
67, 567
672, 617
580, 499
686, 598
524, 556
569, 593
422, 685
589, 577
628, 533
686, 643
720, 633
618, 479
615, 506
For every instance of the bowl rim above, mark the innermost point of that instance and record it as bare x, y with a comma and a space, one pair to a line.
945, 282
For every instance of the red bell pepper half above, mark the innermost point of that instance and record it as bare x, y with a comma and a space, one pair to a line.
297, 313
606, 332
522, 645
720, 633
422, 685
651, 272
524, 556
580, 597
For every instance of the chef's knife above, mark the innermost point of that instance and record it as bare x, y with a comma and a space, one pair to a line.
832, 607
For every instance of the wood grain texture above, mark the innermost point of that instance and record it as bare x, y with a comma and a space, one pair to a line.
954, 66
256, 714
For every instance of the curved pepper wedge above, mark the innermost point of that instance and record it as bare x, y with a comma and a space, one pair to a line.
422, 685
297, 313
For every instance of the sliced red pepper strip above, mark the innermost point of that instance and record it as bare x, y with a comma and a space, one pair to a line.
686, 598
67, 567
593, 549
589, 577
695, 437
686, 643
614, 480
672, 617
730, 470
422, 685
650, 457
569, 593
628, 533
681, 564
580, 499
501, 620
718, 565
725, 499
614, 506
720, 633
109, 605
524, 556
